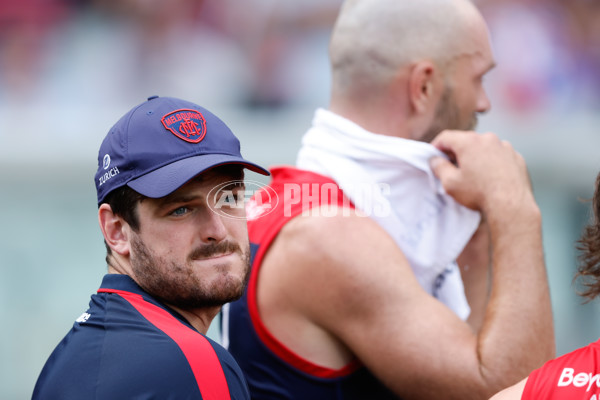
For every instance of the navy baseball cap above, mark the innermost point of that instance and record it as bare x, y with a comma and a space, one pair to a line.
161, 144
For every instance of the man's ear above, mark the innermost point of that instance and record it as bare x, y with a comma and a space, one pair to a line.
114, 229
421, 85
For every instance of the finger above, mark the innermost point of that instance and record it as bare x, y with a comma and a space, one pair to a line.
443, 169
448, 141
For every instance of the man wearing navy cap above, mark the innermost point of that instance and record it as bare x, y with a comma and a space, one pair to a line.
176, 252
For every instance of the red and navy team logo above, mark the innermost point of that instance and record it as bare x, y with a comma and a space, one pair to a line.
188, 125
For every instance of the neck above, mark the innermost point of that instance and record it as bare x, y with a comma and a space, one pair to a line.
373, 116
200, 318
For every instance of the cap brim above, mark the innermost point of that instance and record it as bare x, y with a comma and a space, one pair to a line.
165, 180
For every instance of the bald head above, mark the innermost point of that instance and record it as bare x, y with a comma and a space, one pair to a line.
373, 39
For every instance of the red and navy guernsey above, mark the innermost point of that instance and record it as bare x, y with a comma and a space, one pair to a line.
272, 370
127, 345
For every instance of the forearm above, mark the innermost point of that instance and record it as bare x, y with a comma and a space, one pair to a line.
475, 269
517, 334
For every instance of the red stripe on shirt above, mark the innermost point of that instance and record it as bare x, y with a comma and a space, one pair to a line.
197, 349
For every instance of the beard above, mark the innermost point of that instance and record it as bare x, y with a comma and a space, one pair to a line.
447, 116
178, 285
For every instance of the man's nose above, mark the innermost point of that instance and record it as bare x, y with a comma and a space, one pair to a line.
212, 227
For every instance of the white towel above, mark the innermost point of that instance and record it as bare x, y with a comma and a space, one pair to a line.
390, 179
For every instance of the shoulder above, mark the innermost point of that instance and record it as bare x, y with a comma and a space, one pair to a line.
170, 367
583, 359
236, 381
159, 353
573, 371
148, 361
322, 257
337, 234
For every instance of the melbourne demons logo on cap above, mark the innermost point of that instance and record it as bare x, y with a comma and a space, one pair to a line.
186, 124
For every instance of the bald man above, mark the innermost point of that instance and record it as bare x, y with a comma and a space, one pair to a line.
402, 256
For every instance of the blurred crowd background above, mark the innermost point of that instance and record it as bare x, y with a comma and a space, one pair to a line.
70, 68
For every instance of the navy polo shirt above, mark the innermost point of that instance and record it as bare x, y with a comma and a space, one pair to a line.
127, 345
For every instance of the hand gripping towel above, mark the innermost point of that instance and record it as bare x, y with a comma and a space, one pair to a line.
389, 179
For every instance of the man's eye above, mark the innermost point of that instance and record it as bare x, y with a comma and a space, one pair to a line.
179, 211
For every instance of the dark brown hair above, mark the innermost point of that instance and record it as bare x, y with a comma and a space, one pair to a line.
123, 201
589, 247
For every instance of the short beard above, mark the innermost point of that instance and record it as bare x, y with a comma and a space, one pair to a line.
175, 284
447, 117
